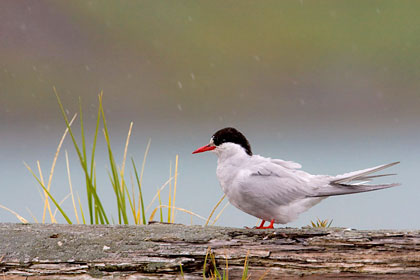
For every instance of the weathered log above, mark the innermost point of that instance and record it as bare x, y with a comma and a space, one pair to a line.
157, 251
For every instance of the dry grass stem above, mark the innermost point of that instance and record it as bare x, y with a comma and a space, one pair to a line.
46, 202
214, 209
20, 218
158, 193
61, 203
71, 188
125, 150
81, 209
175, 183
32, 215
170, 193
220, 213
177, 208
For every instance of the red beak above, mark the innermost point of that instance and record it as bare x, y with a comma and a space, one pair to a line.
204, 149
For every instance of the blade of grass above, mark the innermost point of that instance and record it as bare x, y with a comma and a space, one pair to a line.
264, 274
81, 209
131, 203
71, 188
97, 209
220, 213
32, 215
125, 149
113, 176
58, 206
214, 209
140, 181
82, 130
329, 223
19, 217
133, 197
52, 198
205, 263
175, 183
181, 271
92, 167
160, 208
144, 159
123, 184
117, 193
140, 194
245, 271
87, 178
158, 193
215, 270
226, 272
61, 203
176, 208
170, 193
47, 204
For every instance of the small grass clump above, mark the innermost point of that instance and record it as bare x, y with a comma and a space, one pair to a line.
321, 223
211, 272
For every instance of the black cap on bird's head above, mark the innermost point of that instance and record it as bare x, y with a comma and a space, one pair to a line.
226, 135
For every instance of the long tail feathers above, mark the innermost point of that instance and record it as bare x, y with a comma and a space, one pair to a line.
348, 177
350, 182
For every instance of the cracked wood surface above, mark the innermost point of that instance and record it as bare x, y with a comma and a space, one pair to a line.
33, 251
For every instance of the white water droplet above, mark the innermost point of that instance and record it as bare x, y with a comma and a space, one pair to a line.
23, 27
302, 101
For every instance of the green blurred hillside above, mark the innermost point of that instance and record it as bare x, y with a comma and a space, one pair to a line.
211, 60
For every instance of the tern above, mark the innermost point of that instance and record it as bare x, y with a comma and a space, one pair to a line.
276, 190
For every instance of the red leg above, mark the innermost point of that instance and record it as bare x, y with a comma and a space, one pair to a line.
263, 227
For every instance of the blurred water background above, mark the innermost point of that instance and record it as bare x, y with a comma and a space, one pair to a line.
333, 85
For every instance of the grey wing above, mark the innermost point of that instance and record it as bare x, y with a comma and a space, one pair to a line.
274, 185
283, 163
287, 164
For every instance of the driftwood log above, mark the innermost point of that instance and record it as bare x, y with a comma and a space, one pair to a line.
33, 251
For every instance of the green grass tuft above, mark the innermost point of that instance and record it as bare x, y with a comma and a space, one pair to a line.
211, 272
130, 206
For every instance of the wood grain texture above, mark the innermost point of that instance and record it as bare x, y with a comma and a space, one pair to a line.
156, 252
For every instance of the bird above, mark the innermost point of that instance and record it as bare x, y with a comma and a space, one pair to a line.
277, 190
